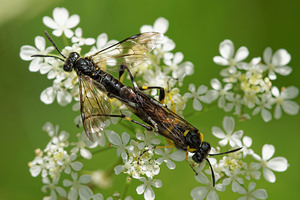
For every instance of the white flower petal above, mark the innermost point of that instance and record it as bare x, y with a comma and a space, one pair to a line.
212, 195
269, 175
199, 193
85, 179
226, 49
290, 92
85, 153
267, 55
35, 170
266, 115
64, 98
215, 84
247, 141
73, 194
161, 25
290, 107
73, 21
197, 105
275, 91
146, 28
170, 164
140, 189
216, 131
260, 194
220, 61
202, 89
60, 15
268, 151
223, 142
278, 164
35, 65
85, 192
149, 194
49, 22
67, 183
76, 165
114, 138
228, 124
48, 95
178, 155
241, 54
125, 137
277, 112
272, 75
118, 169
157, 183
284, 71
281, 57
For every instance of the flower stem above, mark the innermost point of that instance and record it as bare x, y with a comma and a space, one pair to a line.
128, 181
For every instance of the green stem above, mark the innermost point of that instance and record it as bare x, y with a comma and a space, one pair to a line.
65, 41
128, 181
110, 170
95, 152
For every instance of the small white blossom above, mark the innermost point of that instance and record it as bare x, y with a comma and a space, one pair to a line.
166, 157
197, 96
78, 187
219, 92
234, 138
61, 22
276, 62
146, 187
119, 143
279, 164
53, 188
228, 58
49, 94
208, 191
283, 101
81, 146
37, 63
80, 40
148, 139
264, 104
252, 194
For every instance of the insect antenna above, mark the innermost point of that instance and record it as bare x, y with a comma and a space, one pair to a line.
50, 39
39, 55
216, 154
212, 173
227, 152
54, 45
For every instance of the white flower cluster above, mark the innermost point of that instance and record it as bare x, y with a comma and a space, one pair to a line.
247, 87
138, 157
231, 169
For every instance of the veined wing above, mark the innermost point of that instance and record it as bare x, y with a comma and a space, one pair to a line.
167, 119
95, 106
132, 50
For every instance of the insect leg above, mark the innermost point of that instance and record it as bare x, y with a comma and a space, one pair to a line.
122, 69
122, 116
161, 92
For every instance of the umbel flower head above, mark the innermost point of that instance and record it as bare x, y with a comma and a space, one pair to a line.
60, 165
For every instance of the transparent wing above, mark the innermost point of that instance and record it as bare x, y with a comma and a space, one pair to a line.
132, 50
95, 106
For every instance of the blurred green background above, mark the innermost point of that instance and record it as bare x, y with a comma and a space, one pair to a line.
197, 27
